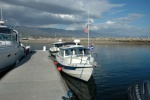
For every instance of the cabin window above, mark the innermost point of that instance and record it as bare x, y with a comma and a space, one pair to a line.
8, 37
67, 52
62, 52
5, 30
78, 51
86, 51
5, 37
72, 52
1, 36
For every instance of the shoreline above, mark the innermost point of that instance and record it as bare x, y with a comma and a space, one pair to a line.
92, 40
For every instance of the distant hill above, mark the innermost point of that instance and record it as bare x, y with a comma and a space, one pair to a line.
51, 32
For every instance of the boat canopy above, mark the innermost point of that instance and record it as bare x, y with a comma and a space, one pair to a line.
70, 43
60, 44
57, 44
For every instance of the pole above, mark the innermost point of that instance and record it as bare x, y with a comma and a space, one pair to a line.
55, 37
1, 14
88, 29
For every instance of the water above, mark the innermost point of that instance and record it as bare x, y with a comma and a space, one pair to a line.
121, 65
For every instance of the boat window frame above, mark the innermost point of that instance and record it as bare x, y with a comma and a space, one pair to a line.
62, 53
76, 53
8, 34
7, 37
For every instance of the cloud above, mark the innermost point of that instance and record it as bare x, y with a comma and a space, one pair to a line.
131, 17
117, 11
121, 27
109, 22
71, 14
37, 12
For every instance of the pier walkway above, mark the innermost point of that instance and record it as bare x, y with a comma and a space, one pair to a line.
35, 78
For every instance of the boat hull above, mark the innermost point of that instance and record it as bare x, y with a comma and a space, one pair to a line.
81, 72
53, 53
9, 55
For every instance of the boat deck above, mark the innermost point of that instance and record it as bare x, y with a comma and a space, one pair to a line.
34, 78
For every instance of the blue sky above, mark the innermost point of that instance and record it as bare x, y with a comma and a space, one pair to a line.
117, 17
135, 6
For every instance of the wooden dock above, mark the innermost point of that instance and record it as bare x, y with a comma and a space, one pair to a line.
35, 78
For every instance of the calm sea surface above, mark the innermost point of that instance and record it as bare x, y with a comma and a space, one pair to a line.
121, 65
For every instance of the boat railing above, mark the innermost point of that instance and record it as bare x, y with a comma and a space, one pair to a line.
95, 55
71, 60
79, 57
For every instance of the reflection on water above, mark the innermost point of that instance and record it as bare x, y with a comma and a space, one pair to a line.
83, 90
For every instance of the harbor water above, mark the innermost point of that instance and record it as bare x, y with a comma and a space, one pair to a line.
120, 66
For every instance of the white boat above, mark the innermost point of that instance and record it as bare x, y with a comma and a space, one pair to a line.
11, 52
76, 61
55, 48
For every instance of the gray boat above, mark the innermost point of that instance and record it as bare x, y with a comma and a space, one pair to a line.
139, 91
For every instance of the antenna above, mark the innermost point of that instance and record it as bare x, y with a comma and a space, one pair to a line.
1, 14
2, 22
15, 25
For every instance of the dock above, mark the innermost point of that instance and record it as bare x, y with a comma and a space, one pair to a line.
34, 78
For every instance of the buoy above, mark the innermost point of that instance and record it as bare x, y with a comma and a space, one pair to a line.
59, 68
56, 63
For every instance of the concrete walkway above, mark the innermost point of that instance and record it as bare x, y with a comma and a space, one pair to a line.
36, 78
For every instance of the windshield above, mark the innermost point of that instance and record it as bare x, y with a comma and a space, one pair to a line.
77, 51
7, 37
7, 34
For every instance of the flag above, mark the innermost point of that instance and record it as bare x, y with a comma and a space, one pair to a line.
86, 29
91, 47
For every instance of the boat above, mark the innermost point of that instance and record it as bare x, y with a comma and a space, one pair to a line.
55, 48
11, 51
139, 91
76, 61
81, 90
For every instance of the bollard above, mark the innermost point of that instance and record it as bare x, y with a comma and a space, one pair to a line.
44, 48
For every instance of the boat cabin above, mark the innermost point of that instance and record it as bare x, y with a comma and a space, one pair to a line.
67, 51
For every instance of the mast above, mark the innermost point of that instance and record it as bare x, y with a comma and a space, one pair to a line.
1, 14
2, 22
88, 28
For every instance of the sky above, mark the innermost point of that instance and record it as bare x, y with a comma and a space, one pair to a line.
116, 17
